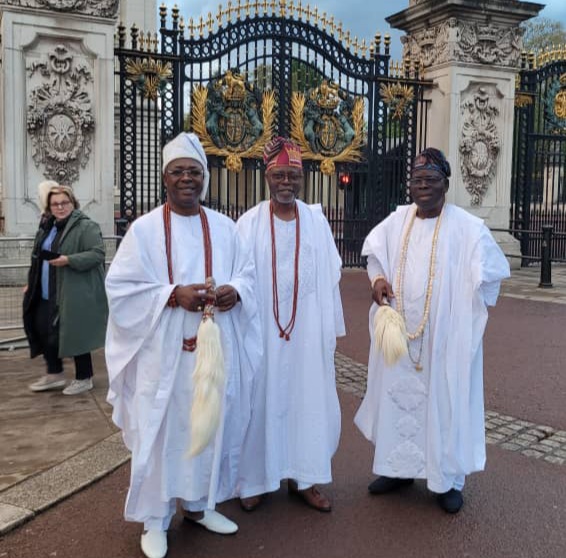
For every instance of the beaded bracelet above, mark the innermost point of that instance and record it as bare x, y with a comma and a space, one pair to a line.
376, 279
172, 301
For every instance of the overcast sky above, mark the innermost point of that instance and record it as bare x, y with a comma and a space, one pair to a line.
363, 18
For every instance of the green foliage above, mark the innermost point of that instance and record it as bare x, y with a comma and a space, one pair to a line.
541, 33
262, 77
304, 76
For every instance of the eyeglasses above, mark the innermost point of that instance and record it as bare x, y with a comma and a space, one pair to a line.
191, 173
60, 205
425, 181
280, 176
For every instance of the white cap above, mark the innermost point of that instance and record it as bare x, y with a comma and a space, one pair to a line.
187, 146
43, 189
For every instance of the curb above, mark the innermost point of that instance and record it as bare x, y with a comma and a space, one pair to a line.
23, 501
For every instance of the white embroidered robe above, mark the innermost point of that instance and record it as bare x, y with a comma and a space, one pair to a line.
295, 423
430, 424
150, 374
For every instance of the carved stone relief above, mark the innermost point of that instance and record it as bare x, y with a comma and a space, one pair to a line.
458, 41
102, 8
479, 143
60, 122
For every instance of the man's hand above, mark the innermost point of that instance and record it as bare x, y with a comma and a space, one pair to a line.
193, 297
226, 297
382, 292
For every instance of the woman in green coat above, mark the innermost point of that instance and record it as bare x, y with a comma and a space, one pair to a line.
65, 307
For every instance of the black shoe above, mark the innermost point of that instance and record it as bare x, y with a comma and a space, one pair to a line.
382, 485
451, 501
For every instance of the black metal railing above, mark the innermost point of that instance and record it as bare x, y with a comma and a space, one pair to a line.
547, 240
538, 183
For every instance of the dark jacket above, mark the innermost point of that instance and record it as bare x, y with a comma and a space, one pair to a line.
77, 299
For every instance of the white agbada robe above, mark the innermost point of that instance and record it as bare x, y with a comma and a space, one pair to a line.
430, 424
295, 423
150, 374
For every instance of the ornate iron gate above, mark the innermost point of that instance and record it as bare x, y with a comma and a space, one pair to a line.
539, 154
264, 69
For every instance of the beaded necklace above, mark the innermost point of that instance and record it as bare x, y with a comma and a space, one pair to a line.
191, 343
285, 332
400, 288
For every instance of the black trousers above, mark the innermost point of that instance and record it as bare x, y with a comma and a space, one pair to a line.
48, 333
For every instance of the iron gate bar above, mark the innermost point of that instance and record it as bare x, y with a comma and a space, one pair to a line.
538, 189
286, 55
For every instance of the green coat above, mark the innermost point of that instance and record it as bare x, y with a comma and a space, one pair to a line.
81, 304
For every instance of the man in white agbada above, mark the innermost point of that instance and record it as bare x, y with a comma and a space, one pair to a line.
157, 292
295, 423
440, 267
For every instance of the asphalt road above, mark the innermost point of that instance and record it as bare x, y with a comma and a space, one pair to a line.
515, 509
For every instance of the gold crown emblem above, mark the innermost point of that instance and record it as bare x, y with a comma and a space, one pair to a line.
326, 95
234, 87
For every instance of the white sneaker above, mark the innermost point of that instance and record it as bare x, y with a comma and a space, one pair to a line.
215, 522
49, 381
154, 543
78, 386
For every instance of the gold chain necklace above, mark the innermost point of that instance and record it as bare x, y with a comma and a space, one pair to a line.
400, 287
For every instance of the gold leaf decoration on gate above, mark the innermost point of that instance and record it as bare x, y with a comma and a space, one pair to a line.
560, 99
523, 100
397, 97
328, 124
149, 75
225, 115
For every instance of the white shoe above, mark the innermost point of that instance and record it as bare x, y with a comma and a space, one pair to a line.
49, 381
154, 543
216, 522
78, 386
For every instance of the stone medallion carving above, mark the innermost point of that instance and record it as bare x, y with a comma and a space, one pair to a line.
479, 143
59, 120
102, 8
458, 41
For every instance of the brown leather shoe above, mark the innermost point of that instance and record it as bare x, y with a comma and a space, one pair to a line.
311, 496
251, 503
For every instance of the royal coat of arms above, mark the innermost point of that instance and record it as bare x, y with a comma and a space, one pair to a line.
328, 125
233, 119
555, 106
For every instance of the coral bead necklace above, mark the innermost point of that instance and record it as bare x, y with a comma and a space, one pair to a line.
188, 344
285, 332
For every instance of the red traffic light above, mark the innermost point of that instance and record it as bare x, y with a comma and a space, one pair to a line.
344, 180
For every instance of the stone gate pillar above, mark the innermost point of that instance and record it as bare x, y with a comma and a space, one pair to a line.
471, 50
57, 98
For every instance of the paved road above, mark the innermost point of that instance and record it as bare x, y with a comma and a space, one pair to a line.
515, 509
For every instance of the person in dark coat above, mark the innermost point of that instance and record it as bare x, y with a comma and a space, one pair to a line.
65, 308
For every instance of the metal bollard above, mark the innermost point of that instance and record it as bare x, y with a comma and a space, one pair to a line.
546, 255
